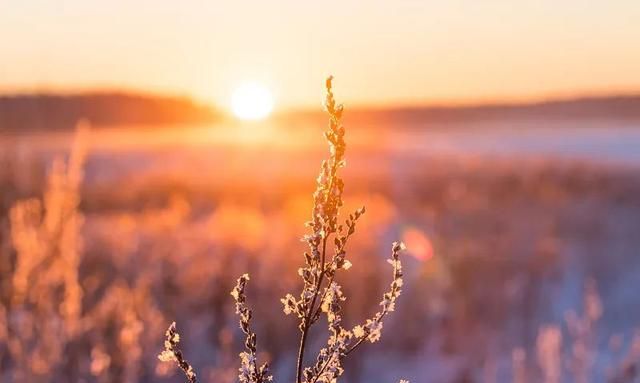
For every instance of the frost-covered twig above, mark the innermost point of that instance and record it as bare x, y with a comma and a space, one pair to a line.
173, 353
249, 370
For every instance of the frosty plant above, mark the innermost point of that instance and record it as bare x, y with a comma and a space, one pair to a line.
44, 313
173, 353
321, 294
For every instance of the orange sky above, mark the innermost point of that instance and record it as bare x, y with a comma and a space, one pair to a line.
381, 52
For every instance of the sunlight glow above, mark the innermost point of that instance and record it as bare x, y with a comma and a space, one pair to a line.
251, 102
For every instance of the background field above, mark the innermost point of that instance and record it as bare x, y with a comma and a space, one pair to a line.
511, 225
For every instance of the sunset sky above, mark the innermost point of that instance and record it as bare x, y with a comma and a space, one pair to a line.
381, 52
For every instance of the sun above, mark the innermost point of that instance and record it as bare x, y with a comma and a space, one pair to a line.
251, 101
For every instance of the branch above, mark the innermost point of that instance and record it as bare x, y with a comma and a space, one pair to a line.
173, 353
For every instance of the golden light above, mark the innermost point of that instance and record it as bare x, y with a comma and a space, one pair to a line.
252, 102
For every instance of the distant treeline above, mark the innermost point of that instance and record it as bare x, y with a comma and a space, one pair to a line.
56, 112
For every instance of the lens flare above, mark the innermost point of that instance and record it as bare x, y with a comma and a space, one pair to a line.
418, 244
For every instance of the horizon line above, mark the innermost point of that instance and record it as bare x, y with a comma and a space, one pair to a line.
480, 102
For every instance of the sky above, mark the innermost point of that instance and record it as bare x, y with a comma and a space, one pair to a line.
381, 52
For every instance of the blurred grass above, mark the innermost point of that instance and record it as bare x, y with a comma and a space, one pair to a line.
500, 246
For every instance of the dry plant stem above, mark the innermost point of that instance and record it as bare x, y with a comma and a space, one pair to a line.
397, 273
306, 323
324, 222
172, 352
316, 313
320, 293
311, 313
307, 320
44, 304
249, 370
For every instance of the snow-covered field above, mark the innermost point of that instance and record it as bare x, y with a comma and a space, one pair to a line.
508, 227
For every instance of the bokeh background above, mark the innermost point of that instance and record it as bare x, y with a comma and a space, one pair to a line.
499, 140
